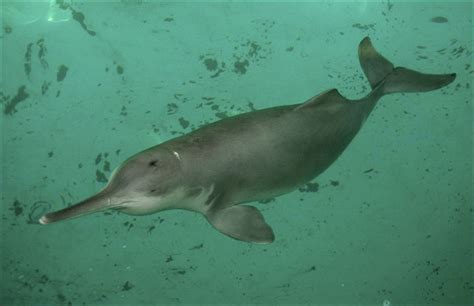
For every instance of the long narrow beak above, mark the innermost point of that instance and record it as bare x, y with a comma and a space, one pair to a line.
98, 202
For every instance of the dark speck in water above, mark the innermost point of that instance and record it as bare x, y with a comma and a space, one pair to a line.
17, 208
106, 166
62, 71
61, 298
184, 123
240, 67
44, 279
127, 286
98, 158
27, 64
151, 228
79, 17
211, 64
100, 176
197, 247
439, 19
45, 87
7, 29
42, 53
119, 69
20, 96
62, 5
172, 108
254, 48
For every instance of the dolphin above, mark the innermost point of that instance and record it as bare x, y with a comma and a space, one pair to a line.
249, 157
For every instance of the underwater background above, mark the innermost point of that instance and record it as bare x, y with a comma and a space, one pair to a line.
85, 85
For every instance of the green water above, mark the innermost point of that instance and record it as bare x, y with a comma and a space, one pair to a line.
87, 84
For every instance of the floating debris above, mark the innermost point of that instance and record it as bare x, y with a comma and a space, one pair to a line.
62, 71
439, 19
21, 95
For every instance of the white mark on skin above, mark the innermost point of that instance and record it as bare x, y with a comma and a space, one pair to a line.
177, 155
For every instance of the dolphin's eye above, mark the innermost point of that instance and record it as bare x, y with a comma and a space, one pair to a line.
153, 163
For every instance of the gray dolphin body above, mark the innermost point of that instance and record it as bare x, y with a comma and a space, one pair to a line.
249, 157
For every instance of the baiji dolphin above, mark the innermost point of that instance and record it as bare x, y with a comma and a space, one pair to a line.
249, 157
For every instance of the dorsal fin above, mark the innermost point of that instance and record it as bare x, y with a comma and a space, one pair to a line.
331, 96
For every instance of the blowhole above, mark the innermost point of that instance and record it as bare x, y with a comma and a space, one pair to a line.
153, 163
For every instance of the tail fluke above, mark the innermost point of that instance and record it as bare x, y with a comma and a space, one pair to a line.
406, 80
381, 72
375, 66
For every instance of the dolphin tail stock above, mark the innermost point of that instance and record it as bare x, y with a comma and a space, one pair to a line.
382, 74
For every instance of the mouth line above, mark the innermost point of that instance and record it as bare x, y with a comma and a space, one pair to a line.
118, 205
